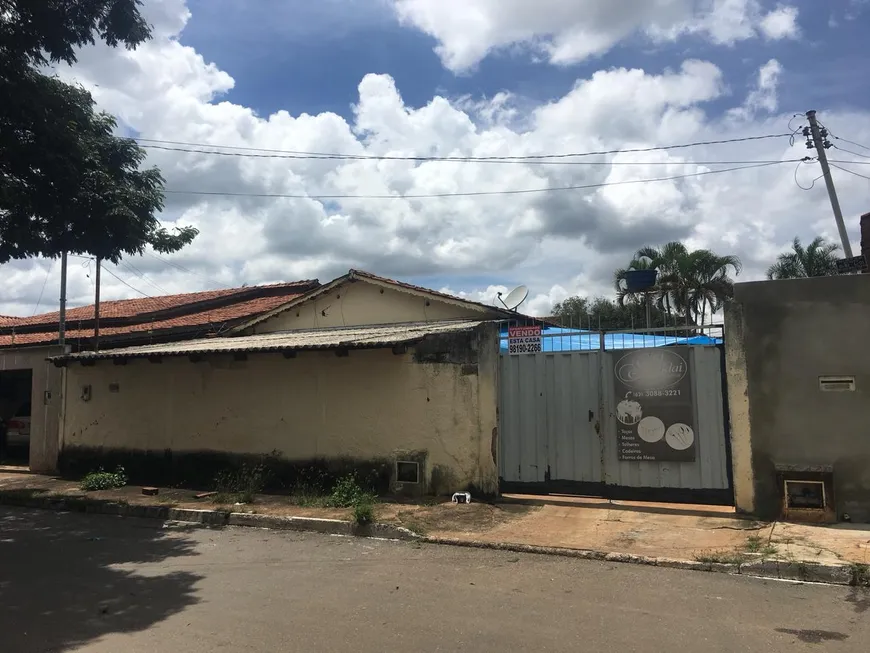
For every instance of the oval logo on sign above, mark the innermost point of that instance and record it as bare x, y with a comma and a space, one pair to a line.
651, 368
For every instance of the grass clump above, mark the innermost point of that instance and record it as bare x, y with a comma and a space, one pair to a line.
757, 544
240, 485
720, 557
860, 574
364, 512
102, 480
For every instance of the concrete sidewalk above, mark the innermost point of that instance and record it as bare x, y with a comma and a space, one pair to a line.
680, 531
652, 533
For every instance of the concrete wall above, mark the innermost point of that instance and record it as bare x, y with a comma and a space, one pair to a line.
781, 336
46, 408
359, 303
369, 405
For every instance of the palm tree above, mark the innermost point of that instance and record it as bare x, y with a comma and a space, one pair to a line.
689, 282
620, 278
818, 259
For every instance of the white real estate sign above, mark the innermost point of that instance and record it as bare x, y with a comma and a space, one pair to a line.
524, 340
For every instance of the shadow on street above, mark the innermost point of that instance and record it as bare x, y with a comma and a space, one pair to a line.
63, 580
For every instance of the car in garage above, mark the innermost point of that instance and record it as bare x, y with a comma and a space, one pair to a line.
18, 427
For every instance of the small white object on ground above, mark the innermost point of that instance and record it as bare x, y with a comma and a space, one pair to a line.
462, 497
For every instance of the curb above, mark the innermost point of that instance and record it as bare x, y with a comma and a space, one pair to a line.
813, 572
217, 518
779, 569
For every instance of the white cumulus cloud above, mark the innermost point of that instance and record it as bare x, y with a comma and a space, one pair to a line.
559, 243
568, 32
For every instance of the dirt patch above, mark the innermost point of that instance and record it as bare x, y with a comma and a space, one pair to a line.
460, 517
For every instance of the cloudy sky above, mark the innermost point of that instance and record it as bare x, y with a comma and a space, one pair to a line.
475, 78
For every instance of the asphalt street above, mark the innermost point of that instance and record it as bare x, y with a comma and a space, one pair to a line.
102, 584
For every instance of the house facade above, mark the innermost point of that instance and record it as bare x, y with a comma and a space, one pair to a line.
362, 374
30, 384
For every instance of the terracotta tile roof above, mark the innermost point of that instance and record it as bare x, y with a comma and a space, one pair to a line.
409, 286
359, 274
147, 305
212, 310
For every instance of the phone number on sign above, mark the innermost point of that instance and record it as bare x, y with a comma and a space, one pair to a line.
657, 393
524, 348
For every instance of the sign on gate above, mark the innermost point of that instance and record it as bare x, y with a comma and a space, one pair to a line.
654, 410
524, 339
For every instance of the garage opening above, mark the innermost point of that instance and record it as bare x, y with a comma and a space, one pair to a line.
16, 387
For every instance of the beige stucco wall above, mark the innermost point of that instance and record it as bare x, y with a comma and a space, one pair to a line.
361, 303
45, 408
368, 405
780, 338
738, 406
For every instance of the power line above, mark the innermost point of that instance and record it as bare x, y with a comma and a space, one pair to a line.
44, 283
846, 140
851, 172
125, 283
139, 274
852, 152
482, 193
184, 269
160, 144
518, 161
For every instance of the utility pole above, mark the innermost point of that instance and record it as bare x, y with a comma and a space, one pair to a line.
820, 142
61, 331
97, 307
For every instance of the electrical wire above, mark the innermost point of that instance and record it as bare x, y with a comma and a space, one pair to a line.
846, 140
798, 184
44, 284
125, 283
794, 131
161, 144
843, 149
523, 191
139, 274
455, 159
184, 269
851, 172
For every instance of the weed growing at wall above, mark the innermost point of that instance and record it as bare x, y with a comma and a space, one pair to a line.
241, 485
364, 512
102, 480
347, 493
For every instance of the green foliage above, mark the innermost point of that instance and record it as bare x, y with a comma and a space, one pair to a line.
102, 480
603, 313
66, 182
690, 284
346, 493
818, 259
364, 512
757, 544
241, 485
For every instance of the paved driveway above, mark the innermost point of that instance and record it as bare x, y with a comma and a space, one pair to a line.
93, 583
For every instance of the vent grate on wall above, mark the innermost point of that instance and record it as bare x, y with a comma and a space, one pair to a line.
805, 495
407, 471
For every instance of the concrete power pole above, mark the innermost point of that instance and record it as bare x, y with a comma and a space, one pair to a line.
97, 306
820, 141
61, 330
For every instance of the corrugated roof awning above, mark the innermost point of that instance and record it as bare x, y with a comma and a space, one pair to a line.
340, 338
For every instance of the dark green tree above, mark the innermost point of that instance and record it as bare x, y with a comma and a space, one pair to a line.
818, 259
603, 313
66, 181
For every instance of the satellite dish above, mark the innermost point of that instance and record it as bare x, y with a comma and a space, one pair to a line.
514, 298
